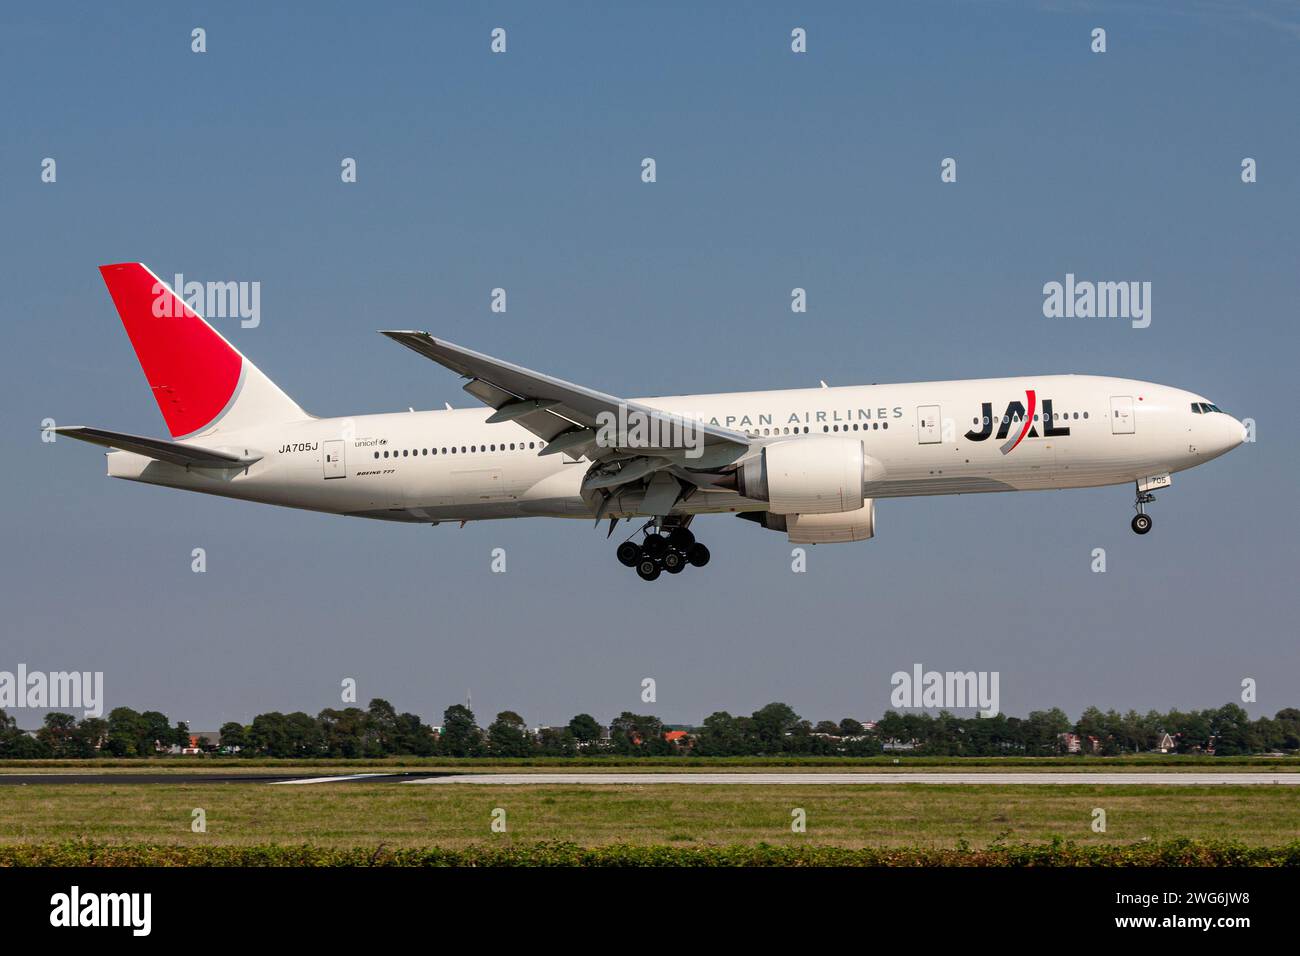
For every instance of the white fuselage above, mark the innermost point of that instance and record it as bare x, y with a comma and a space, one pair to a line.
930, 437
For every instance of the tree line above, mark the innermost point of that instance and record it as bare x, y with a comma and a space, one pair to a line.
776, 729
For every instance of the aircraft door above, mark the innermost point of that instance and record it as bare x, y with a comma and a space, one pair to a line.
1121, 414
928, 425
332, 460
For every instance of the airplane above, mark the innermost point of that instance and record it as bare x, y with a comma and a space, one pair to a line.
807, 462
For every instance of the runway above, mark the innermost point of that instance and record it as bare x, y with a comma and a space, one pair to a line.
1172, 779
801, 779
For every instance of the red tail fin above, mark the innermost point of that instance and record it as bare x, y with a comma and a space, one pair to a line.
197, 376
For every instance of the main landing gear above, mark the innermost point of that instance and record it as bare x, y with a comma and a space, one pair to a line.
659, 552
1141, 522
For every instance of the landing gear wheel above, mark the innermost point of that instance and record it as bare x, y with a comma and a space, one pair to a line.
655, 545
674, 561
697, 554
648, 569
681, 539
629, 553
1141, 523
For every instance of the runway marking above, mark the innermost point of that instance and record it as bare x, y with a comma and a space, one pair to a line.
200, 779
342, 779
1176, 779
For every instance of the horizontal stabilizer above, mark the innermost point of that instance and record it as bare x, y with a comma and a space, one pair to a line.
175, 453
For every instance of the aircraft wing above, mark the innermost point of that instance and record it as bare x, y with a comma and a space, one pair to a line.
557, 411
569, 418
176, 453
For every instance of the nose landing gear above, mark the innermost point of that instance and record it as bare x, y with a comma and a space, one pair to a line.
659, 551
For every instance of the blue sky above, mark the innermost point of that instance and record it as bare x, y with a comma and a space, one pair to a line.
775, 170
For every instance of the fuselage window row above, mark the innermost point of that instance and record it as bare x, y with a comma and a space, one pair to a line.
471, 450
874, 426
1008, 419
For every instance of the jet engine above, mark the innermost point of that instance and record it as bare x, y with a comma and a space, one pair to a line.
807, 476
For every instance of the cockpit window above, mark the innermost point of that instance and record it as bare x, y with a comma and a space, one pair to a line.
1204, 408
1196, 407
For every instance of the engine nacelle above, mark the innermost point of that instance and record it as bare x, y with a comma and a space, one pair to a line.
806, 476
821, 528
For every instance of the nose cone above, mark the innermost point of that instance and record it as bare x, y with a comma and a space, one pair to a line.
1236, 433
1226, 434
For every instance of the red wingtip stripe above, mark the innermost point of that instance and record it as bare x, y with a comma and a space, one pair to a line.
192, 370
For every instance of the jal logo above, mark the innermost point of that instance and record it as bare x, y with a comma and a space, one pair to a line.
1021, 416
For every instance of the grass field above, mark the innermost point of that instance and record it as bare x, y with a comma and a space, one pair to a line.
399, 815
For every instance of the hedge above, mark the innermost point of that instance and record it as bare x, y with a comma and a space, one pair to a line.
1055, 854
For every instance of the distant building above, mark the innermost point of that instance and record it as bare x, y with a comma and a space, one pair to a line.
1074, 744
197, 740
679, 738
